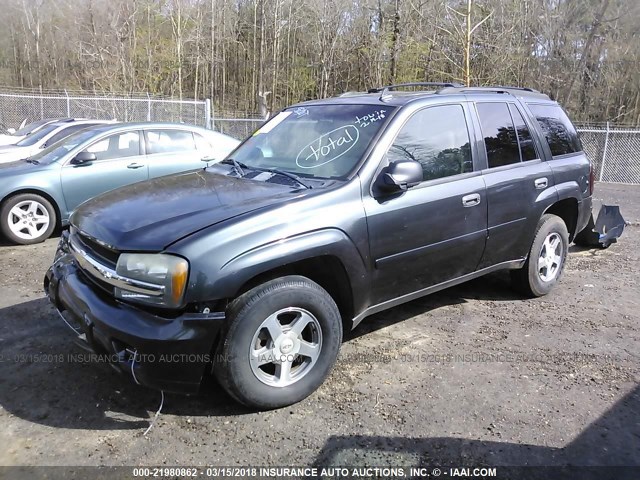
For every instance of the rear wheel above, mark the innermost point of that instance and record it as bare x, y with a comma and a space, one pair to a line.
546, 259
27, 218
280, 342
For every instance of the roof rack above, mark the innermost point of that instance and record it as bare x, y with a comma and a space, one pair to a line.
516, 91
414, 84
384, 91
495, 89
526, 89
501, 89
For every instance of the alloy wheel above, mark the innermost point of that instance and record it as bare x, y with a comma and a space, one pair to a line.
28, 219
285, 347
550, 258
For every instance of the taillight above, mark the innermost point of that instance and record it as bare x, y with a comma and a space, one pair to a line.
592, 178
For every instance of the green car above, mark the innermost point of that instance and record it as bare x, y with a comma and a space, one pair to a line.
39, 193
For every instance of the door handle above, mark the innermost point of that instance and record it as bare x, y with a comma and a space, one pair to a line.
541, 183
135, 165
471, 200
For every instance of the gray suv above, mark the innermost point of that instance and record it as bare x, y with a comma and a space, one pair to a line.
333, 210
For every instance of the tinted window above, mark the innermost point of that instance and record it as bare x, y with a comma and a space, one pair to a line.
65, 132
438, 139
31, 127
35, 137
560, 132
500, 137
58, 151
167, 141
527, 148
121, 145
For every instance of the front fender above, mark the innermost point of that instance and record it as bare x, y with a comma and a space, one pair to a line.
47, 186
245, 266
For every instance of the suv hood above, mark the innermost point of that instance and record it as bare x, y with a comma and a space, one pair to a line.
149, 216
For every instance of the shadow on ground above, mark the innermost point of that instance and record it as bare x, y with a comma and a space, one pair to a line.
495, 287
612, 440
47, 379
4, 242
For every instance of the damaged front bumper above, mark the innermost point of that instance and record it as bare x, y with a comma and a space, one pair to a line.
171, 354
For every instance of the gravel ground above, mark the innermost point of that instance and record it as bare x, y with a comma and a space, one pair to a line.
471, 375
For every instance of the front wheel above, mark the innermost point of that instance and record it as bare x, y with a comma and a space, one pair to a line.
281, 340
27, 218
546, 259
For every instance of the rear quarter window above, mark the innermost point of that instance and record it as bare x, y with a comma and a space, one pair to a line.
560, 133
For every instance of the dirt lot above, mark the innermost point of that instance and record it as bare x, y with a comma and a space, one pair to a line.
472, 375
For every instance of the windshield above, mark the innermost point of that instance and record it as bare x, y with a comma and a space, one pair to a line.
322, 141
59, 149
36, 136
27, 129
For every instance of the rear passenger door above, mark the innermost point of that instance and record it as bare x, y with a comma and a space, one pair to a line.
171, 151
519, 183
435, 231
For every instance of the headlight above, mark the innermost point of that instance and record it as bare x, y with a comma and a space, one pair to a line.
156, 278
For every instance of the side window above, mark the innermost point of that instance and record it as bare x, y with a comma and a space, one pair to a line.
558, 129
168, 141
500, 139
437, 138
64, 133
120, 145
527, 147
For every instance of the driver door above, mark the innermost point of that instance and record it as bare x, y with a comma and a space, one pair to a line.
119, 161
435, 231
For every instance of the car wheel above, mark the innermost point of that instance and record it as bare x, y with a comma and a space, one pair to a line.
27, 218
546, 259
280, 342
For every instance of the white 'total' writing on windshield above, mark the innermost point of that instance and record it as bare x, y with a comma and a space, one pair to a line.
328, 147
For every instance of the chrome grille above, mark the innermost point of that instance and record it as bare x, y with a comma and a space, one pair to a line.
96, 249
104, 274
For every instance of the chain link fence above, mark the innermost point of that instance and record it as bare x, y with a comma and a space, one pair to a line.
614, 152
236, 127
17, 106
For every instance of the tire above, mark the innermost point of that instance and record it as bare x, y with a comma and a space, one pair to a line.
27, 218
537, 277
251, 332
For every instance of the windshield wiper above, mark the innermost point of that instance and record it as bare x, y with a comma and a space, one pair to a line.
237, 166
32, 161
284, 173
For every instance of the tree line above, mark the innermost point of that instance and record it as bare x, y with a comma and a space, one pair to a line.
260, 55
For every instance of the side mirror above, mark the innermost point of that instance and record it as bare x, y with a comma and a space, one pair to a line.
84, 158
400, 176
